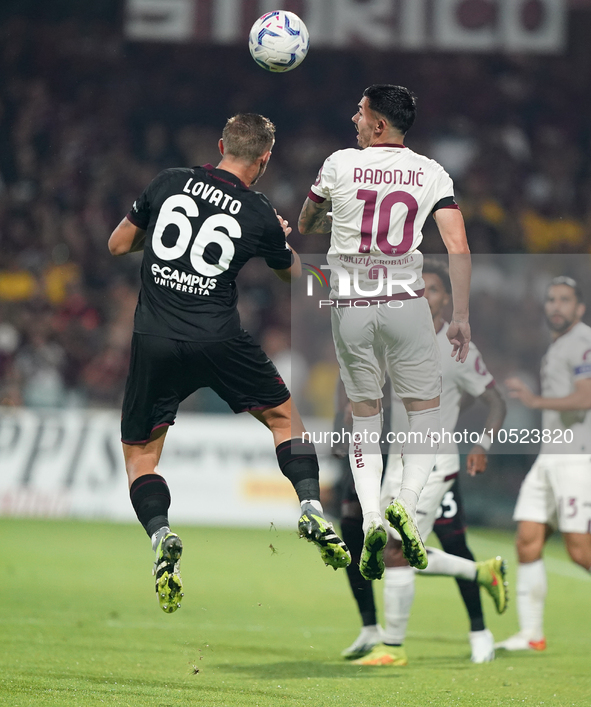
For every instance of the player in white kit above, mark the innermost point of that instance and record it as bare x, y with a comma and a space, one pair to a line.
474, 379
556, 493
380, 197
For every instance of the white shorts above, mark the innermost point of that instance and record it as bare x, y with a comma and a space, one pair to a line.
372, 341
557, 492
437, 486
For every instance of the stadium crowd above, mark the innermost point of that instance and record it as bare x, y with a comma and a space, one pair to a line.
87, 119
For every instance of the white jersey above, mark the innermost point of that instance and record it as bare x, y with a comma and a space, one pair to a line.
381, 197
567, 360
470, 377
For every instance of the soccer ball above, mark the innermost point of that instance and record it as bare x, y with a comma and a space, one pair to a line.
279, 41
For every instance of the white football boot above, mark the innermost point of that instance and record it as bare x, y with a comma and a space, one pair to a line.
522, 642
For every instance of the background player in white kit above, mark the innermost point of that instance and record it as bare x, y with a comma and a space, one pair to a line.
556, 493
380, 197
470, 378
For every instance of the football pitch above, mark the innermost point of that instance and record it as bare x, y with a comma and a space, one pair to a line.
262, 623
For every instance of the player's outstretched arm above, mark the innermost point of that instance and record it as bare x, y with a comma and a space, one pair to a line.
497, 409
579, 399
126, 238
450, 223
314, 217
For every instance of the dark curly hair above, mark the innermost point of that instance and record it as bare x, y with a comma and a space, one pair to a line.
396, 103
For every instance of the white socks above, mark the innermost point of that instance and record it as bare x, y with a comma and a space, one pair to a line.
531, 596
449, 565
365, 458
418, 455
399, 592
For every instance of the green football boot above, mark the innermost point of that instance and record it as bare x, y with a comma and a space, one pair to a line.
404, 524
384, 655
169, 586
491, 574
319, 531
371, 564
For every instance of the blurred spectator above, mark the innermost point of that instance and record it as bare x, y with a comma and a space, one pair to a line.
103, 375
87, 120
39, 367
291, 364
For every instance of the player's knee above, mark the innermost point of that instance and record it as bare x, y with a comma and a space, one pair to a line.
137, 465
529, 549
580, 557
580, 553
277, 418
132, 467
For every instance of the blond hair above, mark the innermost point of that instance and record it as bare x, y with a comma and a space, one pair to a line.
247, 136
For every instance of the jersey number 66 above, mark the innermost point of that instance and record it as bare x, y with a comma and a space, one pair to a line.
208, 233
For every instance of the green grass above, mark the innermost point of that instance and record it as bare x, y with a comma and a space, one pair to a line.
80, 625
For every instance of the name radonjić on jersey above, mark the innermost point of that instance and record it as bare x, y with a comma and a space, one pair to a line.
182, 281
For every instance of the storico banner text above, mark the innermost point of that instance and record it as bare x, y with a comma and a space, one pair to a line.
406, 25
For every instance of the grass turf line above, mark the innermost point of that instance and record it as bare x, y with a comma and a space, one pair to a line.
263, 626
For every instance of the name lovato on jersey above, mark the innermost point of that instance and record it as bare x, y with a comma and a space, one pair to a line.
182, 281
208, 192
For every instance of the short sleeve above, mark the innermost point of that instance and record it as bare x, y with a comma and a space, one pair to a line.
273, 246
444, 191
474, 377
140, 212
325, 181
581, 360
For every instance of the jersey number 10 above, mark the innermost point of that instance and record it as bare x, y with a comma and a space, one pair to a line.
210, 232
370, 197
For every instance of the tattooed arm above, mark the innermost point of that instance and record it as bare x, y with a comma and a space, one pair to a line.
314, 217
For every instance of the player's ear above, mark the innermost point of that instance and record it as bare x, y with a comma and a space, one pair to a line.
221, 146
581, 310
